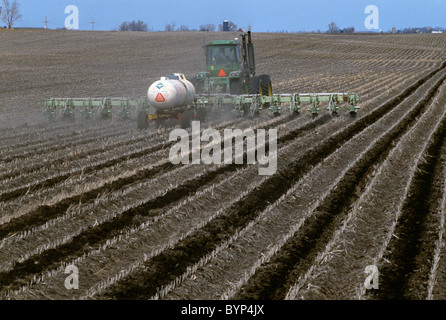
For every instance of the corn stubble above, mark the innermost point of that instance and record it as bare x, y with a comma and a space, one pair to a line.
104, 197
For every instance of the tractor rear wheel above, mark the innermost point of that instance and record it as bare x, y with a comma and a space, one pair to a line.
255, 86
267, 88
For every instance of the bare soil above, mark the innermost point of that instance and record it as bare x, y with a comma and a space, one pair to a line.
99, 194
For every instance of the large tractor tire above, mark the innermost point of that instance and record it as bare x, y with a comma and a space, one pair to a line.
142, 120
198, 85
267, 88
255, 86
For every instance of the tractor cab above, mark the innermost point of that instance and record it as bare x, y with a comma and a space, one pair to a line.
222, 54
230, 68
223, 68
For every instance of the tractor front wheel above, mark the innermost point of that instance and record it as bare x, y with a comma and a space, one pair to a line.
198, 85
236, 87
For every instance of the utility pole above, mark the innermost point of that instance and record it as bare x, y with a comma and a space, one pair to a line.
46, 23
92, 24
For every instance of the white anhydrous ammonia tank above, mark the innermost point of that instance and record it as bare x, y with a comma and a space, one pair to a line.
170, 92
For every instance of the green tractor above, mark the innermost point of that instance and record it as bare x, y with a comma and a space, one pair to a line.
230, 69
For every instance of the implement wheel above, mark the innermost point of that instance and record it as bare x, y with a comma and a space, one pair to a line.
186, 118
142, 120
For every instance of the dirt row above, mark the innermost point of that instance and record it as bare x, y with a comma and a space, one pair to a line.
140, 227
175, 193
300, 251
271, 280
384, 109
380, 208
40, 168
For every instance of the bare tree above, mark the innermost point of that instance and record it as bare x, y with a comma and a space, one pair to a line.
170, 27
333, 28
138, 26
133, 26
124, 26
207, 27
10, 13
348, 30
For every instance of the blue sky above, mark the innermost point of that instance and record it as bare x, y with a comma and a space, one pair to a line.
262, 15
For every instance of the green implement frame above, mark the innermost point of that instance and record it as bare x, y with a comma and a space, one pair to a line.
251, 104
90, 106
240, 105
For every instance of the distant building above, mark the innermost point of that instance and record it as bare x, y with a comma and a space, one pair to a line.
225, 25
434, 31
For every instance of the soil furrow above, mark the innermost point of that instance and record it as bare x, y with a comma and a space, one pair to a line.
274, 279
106, 230
241, 213
348, 192
362, 236
110, 228
47, 212
405, 272
12, 194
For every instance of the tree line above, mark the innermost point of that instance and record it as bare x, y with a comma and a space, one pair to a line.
141, 26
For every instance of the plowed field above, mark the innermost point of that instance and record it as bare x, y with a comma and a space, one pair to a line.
349, 192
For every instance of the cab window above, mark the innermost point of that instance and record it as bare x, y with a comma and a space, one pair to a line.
223, 55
